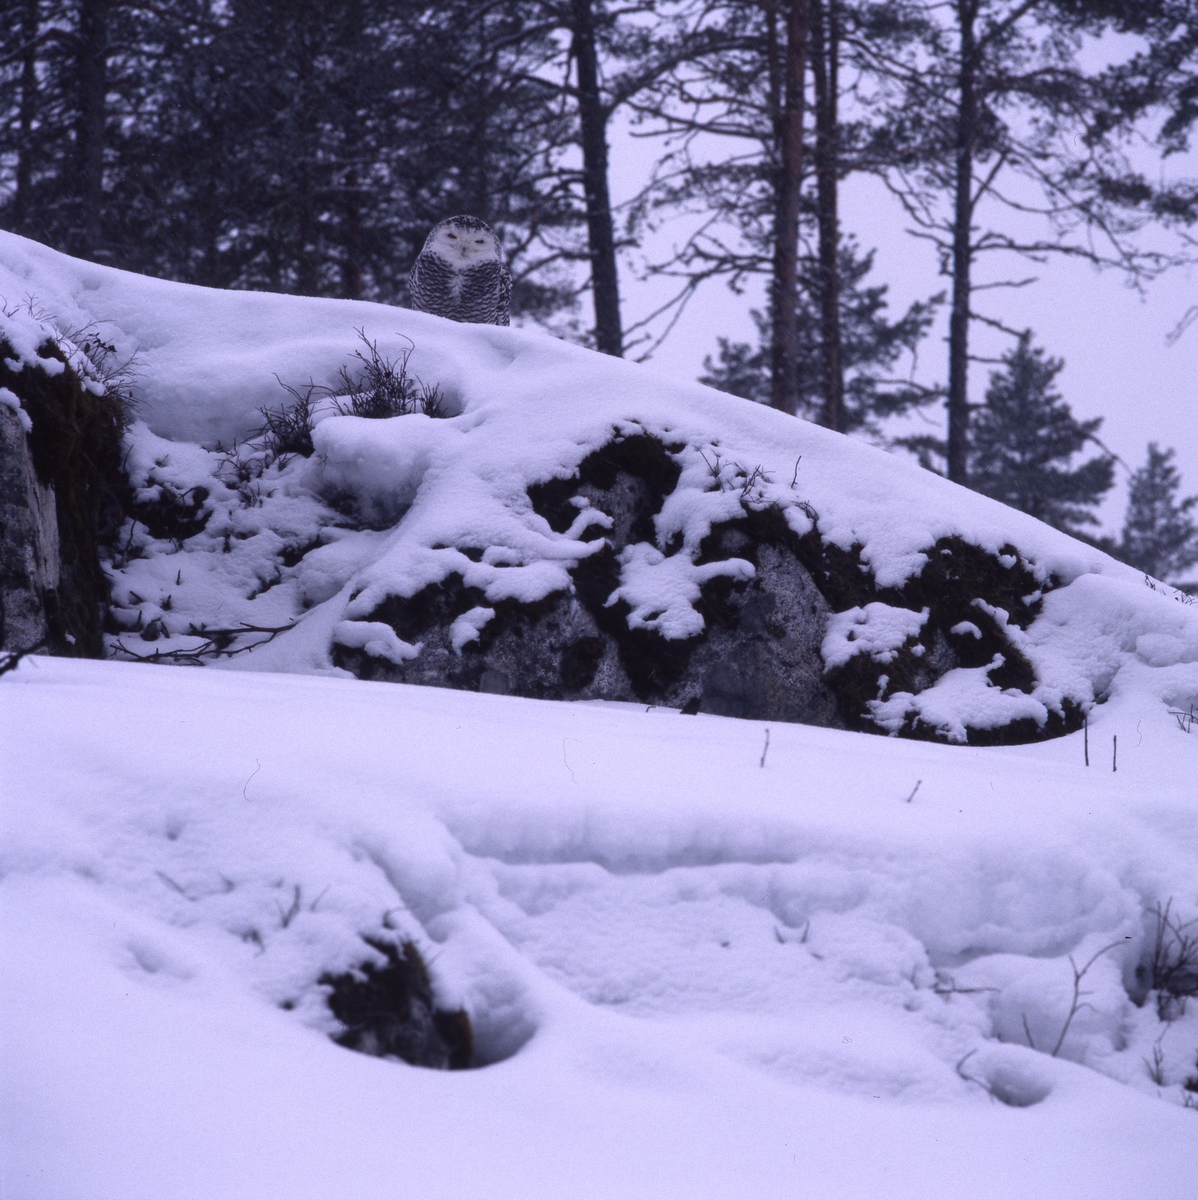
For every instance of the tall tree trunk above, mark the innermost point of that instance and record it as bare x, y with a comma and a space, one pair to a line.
307, 232
592, 117
22, 201
351, 264
306, 266
92, 84
784, 348
350, 44
962, 260
825, 59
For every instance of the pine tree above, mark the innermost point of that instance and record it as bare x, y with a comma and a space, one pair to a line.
756, 140
868, 346
294, 145
994, 119
1023, 439
1160, 538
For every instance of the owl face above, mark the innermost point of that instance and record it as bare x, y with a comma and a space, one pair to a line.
461, 245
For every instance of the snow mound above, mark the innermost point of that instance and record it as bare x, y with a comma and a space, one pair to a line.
285, 563
691, 967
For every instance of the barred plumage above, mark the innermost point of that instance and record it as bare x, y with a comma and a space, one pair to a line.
460, 275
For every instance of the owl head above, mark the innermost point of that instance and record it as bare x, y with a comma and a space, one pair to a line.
463, 241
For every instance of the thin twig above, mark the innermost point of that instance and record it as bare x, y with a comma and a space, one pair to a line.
1027, 1033
10, 660
289, 916
172, 884
1078, 1004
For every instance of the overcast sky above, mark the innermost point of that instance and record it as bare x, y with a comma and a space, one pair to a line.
1113, 340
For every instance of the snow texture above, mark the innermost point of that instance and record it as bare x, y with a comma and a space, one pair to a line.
877, 630
701, 958
692, 975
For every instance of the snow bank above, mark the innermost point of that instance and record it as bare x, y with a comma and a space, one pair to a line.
693, 974
289, 557
702, 958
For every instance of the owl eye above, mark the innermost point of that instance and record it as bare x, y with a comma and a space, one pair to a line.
478, 241
454, 236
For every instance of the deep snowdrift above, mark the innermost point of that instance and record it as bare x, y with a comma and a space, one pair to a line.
696, 976
701, 959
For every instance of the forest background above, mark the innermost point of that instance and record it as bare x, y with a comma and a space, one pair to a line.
778, 167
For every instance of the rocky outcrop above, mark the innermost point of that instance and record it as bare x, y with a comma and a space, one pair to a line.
759, 654
29, 552
60, 473
806, 635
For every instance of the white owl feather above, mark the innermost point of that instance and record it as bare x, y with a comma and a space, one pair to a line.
461, 275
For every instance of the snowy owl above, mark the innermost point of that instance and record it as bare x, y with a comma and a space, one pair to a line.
460, 275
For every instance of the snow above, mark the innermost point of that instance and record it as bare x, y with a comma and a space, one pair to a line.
393, 506
11, 400
702, 958
694, 975
661, 591
876, 629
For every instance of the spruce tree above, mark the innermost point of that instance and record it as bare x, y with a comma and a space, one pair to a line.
1023, 440
869, 344
1160, 538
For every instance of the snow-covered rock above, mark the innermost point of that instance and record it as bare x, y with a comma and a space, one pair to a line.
575, 527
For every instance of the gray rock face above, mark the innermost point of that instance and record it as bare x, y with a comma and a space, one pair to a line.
29, 551
758, 657
760, 654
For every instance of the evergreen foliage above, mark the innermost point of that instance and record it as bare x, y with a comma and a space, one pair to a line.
992, 118
871, 344
294, 145
1024, 438
1160, 537
309, 145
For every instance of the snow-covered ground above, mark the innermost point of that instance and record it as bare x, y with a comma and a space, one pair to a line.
697, 975
701, 958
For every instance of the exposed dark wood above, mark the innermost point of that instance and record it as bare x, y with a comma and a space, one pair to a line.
30, 20
825, 63
91, 67
963, 245
593, 117
784, 349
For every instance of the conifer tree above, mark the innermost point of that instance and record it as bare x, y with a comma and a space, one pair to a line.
293, 145
868, 346
1024, 438
1160, 537
996, 119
